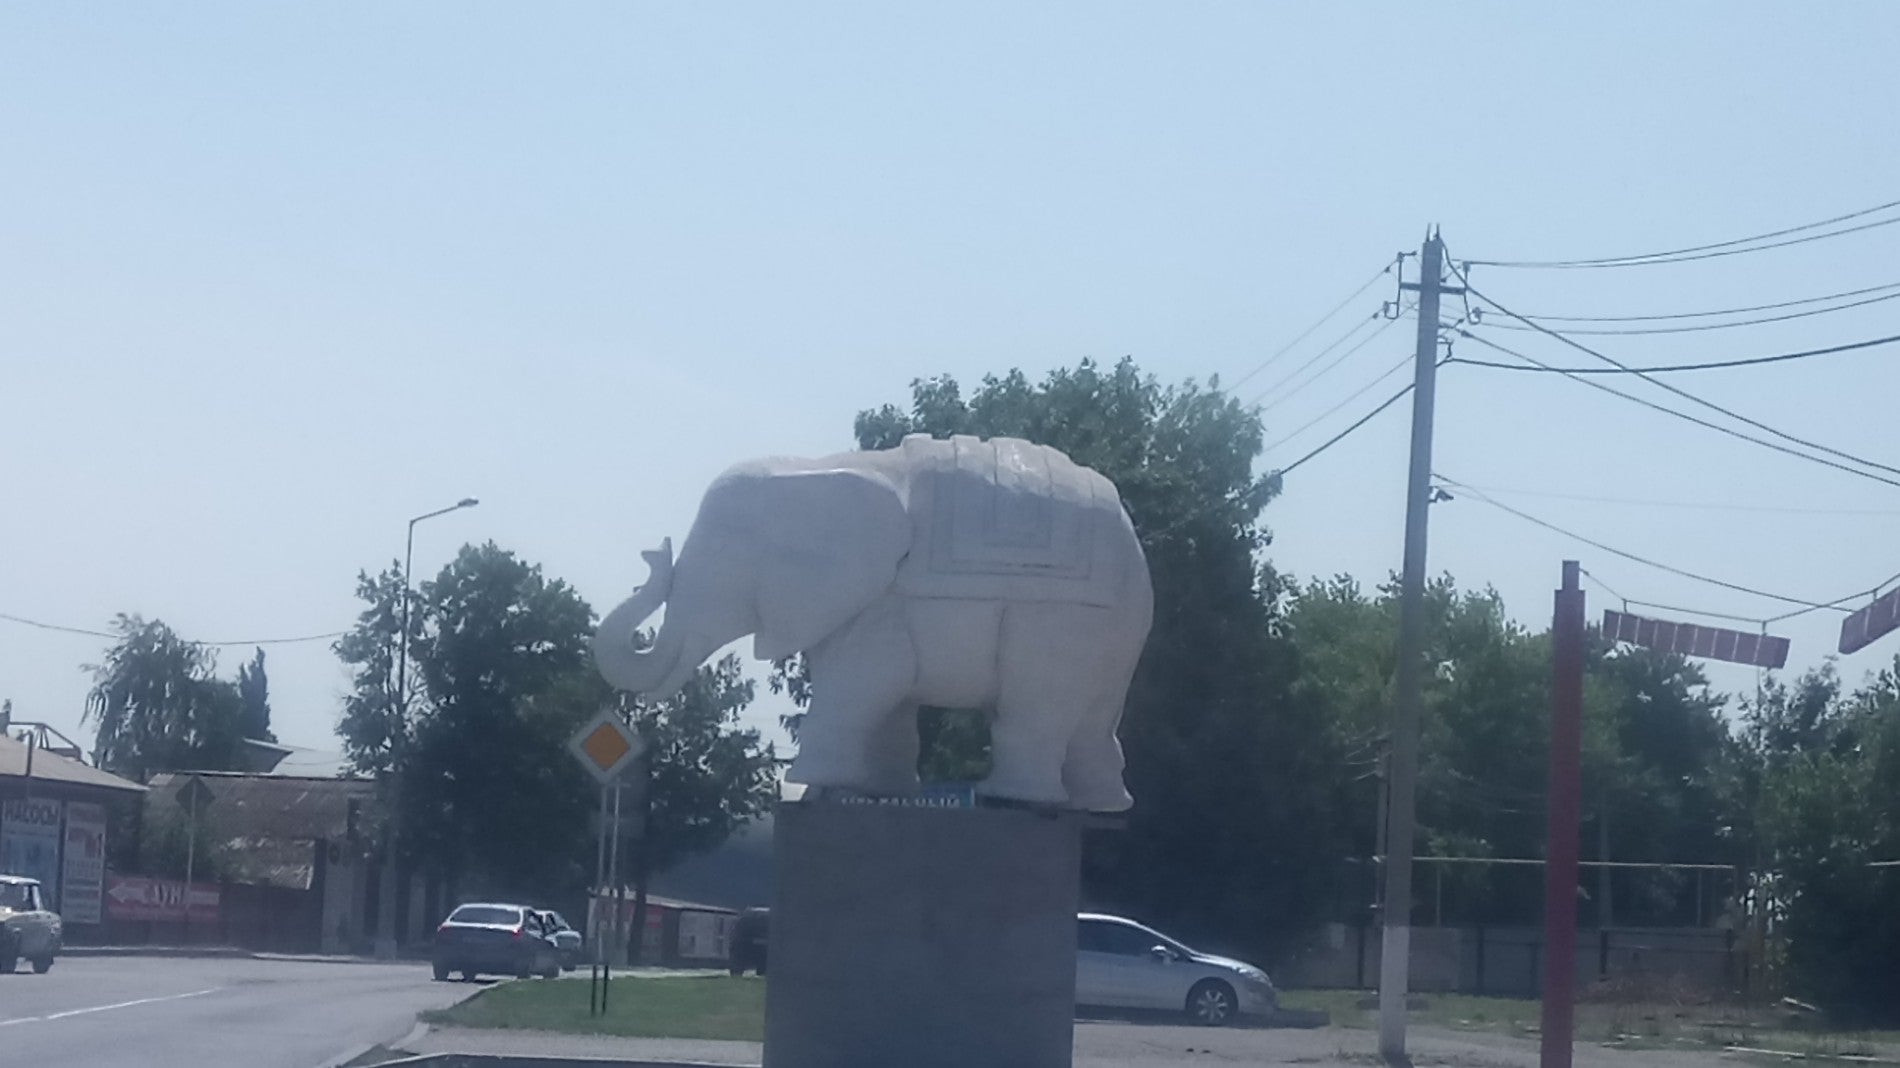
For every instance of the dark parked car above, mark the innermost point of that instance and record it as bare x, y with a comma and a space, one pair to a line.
748, 942
567, 941
495, 939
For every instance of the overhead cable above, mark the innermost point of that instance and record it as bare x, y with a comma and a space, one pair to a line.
1715, 313
1304, 334
58, 628
1625, 554
1353, 396
1341, 436
1700, 327
1707, 365
1719, 248
1323, 353
1321, 373
1686, 395
1685, 416
1711, 506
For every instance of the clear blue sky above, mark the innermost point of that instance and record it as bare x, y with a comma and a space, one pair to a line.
275, 278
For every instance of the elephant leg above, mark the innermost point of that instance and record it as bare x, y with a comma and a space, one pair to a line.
1049, 667
1092, 768
860, 731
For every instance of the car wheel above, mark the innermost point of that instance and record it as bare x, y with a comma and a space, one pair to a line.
9, 953
442, 973
1211, 1003
468, 976
42, 965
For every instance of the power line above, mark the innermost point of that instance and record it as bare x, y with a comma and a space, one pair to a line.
1321, 373
1322, 354
1353, 396
1710, 365
1718, 312
1685, 416
1719, 248
1337, 438
1638, 372
1304, 334
60, 629
1712, 506
1699, 327
1625, 554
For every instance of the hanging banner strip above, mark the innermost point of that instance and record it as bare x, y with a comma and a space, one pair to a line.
1862, 628
1689, 639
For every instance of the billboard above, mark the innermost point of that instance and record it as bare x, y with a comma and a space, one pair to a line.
137, 897
83, 875
29, 841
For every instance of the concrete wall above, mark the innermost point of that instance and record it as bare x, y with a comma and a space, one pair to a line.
928, 938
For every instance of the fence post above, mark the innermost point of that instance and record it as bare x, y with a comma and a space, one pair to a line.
1481, 958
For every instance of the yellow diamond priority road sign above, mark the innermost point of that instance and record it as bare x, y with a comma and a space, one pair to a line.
606, 746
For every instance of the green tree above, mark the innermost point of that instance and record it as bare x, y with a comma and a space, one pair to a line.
157, 704
1234, 834
376, 725
1826, 769
502, 677
254, 693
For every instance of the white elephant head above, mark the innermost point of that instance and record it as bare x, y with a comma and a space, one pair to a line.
782, 553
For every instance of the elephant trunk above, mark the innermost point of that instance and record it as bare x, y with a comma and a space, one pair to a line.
616, 650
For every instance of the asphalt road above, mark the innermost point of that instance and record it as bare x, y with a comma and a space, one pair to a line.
147, 1012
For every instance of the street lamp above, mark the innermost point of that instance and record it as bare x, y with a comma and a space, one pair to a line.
386, 907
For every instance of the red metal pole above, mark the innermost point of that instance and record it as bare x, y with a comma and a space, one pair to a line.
1566, 802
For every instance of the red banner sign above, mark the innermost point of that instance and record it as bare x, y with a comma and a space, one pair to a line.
1862, 628
1710, 643
136, 897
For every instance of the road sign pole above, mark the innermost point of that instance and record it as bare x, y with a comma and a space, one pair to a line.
191, 855
596, 1001
613, 879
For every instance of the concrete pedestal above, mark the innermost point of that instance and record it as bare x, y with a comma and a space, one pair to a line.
922, 938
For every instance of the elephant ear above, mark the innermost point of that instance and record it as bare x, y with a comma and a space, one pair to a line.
831, 542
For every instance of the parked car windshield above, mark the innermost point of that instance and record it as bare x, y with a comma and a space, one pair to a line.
490, 914
15, 896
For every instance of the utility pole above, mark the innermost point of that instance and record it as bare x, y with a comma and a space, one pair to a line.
1566, 803
1395, 946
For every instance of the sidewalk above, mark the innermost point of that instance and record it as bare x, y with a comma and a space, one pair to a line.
233, 952
1106, 1045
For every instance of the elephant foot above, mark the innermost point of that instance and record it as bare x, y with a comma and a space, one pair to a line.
1101, 799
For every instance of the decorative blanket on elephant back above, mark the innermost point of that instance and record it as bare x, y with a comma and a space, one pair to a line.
1008, 519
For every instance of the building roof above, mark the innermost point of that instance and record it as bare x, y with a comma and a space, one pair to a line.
253, 806
51, 767
270, 822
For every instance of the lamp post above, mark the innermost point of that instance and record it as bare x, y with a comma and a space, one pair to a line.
386, 896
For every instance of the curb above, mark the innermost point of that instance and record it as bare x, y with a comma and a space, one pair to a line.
154, 951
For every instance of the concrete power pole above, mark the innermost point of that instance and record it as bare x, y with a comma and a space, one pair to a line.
1396, 941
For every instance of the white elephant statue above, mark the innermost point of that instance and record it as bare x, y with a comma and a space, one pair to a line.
962, 573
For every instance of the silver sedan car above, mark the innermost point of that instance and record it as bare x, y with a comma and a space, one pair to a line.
1121, 964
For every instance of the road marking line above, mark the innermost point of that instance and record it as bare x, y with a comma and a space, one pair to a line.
108, 1008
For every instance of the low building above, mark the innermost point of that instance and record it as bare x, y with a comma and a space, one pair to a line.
53, 818
294, 856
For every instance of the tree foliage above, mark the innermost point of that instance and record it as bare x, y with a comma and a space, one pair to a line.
501, 676
158, 705
253, 687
